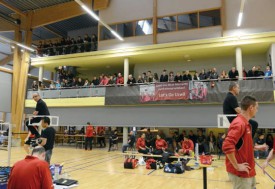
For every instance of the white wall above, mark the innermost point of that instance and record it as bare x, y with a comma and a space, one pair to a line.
127, 10
258, 16
192, 34
128, 42
168, 7
222, 63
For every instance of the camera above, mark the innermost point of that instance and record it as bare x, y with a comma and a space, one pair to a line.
35, 142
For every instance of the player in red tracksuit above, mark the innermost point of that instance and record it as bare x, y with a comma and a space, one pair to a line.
140, 145
161, 145
240, 163
89, 136
187, 146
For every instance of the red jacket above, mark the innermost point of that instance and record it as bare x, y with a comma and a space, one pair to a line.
140, 142
160, 143
187, 145
29, 173
89, 131
100, 131
240, 128
120, 80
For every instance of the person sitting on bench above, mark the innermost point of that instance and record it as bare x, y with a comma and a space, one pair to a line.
113, 141
130, 142
161, 145
140, 145
187, 147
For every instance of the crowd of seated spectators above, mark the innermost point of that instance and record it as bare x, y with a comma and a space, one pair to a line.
68, 46
66, 79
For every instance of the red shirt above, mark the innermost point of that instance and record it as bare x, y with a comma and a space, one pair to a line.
89, 131
100, 131
140, 143
187, 145
160, 143
30, 173
240, 128
120, 80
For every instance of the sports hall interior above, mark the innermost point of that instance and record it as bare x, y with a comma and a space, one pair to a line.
62, 42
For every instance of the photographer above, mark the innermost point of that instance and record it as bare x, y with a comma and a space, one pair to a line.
47, 138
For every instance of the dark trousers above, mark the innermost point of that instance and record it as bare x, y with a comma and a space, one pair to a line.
89, 140
143, 151
32, 129
101, 141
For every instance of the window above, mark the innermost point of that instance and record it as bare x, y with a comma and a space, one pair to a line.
144, 27
125, 29
167, 24
187, 21
106, 34
210, 18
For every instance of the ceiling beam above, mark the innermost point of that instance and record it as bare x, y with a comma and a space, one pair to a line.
57, 33
6, 70
57, 13
6, 25
16, 10
6, 60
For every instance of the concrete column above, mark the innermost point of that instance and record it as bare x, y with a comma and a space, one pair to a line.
125, 135
239, 61
41, 73
126, 71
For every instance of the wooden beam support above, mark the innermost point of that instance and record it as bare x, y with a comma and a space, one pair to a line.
6, 60
7, 26
6, 70
15, 78
20, 76
16, 10
57, 13
223, 17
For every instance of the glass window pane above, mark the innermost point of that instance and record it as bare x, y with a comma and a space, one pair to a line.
167, 24
210, 18
125, 29
144, 27
105, 34
187, 21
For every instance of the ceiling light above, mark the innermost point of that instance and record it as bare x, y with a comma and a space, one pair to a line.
89, 11
240, 18
12, 47
22, 50
116, 35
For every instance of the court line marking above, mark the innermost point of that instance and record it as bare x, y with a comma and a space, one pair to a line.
266, 173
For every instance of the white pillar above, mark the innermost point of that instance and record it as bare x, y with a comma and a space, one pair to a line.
272, 64
126, 71
41, 73
239, 62
125, 135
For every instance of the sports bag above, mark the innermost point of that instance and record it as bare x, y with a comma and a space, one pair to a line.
130, 163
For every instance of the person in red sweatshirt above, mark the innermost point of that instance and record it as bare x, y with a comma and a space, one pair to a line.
89, 136
31, 172
140, 145
187, 146
161, 145
240, 163
120, 79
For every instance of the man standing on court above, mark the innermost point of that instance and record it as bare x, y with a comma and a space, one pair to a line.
31, 172
41, 109
230, 103
240, 163
47, 138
